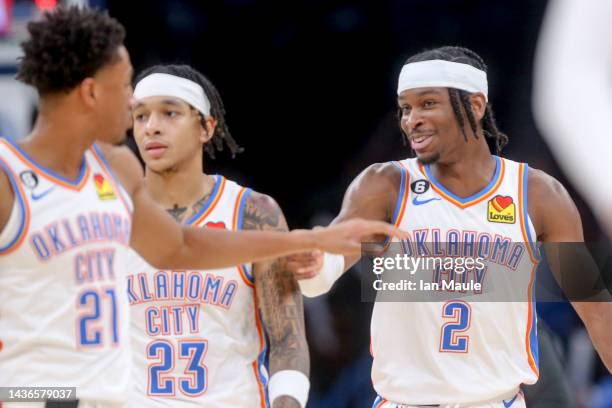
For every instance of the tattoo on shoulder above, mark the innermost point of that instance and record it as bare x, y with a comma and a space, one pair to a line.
195, 208
262, 213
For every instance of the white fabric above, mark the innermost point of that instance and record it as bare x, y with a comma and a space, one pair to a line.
439, 73
71, 261
11, 229
218, 309
289, 382
411, 365
573, 93
333, 267
510, 401
170, 85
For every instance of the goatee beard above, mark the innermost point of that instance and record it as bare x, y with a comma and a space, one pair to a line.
429, 160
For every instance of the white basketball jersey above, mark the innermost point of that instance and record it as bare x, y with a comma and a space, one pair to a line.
197, 334
462, 351
64, 316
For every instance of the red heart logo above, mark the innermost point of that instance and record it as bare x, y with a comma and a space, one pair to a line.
218, 225
503, 202
99, 179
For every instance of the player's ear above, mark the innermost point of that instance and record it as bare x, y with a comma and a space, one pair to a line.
479, 105
87, 92
207, 130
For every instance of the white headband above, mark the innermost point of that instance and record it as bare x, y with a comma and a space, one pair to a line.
440, 73
170, 85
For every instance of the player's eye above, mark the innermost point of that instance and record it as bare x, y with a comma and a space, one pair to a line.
405, 110
139, 117
172, 114
429, 103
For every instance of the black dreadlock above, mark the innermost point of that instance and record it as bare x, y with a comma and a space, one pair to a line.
217, 110
460, 99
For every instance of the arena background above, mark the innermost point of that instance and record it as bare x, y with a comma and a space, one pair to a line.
309, 89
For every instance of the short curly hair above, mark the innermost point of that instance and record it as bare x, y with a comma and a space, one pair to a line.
66, 46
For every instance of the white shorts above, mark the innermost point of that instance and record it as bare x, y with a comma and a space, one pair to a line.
518, 401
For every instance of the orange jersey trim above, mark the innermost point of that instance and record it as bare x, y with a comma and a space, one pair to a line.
481, 196
107, 171
530, 322
262, 347
212, 206
45, 172
19, 195
236, 227
523, 212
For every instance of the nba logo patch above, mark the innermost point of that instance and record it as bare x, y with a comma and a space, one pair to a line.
103, 188
501, 209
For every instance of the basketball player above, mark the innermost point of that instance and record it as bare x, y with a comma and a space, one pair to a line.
219, 314
573, 96
442, 354
71, 204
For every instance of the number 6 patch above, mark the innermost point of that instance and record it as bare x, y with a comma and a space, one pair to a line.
419, 186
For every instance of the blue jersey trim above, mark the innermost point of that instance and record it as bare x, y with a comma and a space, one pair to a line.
261, 360
112, 174
49, 172
241, 206
22, 207
400, 197
466, 200
532, 243
209, 201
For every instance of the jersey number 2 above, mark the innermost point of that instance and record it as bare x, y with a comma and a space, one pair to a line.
194, 384
461, 313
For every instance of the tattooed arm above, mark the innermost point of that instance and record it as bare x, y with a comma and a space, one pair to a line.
278, 296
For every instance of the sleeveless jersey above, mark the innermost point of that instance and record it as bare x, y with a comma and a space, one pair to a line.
464, 350
64, 316
197, 336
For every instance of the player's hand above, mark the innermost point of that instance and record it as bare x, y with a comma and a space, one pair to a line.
305, 265
345, 238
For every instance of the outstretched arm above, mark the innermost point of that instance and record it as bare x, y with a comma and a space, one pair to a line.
278, 297
372, 195
564, 226
165, 244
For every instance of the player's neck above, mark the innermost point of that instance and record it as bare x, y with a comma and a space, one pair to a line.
180, 186
58, 141
467, 173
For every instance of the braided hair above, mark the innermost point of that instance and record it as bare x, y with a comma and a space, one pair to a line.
460, 99
222, 135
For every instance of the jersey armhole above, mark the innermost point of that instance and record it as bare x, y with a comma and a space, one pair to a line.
402, 200
530, 242
241, 200
14, 232
531, 337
